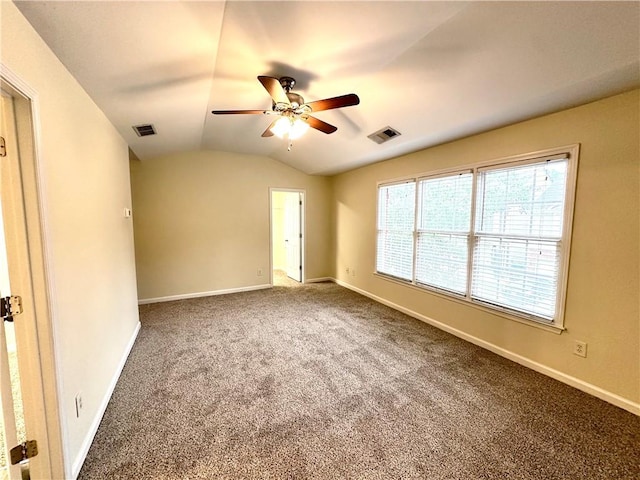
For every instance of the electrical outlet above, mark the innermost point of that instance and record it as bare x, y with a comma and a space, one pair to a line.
259, 272
78, 404
580, 348
347, 270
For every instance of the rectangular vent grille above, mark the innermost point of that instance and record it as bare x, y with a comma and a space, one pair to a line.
384, 135
144, 130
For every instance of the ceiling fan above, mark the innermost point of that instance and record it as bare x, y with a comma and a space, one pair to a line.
294, 114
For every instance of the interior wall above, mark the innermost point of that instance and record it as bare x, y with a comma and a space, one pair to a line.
603, 288
202, 222
89, 244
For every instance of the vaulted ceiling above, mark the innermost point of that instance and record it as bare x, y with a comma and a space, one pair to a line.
434, 71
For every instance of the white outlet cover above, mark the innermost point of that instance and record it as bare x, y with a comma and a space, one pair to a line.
580, 349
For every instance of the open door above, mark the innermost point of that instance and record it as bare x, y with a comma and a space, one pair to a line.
11, 404
287, 230
9, 435
293, 235
12, 431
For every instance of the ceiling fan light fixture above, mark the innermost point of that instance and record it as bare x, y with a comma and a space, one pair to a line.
294, 128
298, 128
281, 127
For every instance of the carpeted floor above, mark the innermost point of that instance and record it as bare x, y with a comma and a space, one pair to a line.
320, 382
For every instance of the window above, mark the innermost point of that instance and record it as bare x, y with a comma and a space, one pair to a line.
396, 217
444, 226
519, 216
495, 234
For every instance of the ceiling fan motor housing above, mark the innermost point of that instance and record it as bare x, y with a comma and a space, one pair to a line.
287, 83
295, 99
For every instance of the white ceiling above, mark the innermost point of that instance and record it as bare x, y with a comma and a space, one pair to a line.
435, 71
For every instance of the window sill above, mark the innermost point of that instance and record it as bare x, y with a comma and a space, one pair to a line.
494, 311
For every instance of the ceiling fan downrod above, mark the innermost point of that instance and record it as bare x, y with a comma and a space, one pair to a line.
287, 83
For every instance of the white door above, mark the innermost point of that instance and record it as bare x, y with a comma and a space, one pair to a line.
293, 235
10, 435
26, 360
10, 398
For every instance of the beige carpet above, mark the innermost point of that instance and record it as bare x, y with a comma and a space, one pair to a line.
319, 382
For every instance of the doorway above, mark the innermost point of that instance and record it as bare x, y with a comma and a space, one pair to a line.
27, 379
287, 236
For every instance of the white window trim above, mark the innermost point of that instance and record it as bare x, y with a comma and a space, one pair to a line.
572, 153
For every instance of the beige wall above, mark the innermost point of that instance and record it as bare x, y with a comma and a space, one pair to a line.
84, 170
603, 290
202, 222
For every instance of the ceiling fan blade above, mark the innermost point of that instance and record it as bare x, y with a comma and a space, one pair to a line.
272, 85
268, 132
320, 125
335, 102
235, 112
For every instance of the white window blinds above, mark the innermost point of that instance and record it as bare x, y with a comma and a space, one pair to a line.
444, 223
518, 232
396, 218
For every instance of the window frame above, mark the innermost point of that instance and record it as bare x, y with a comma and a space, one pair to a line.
571, 152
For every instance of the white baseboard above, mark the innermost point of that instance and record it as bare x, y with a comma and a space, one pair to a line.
171, 298
586, 387
319, 280
86, 444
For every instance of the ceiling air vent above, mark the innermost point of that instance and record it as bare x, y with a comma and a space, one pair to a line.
144, 130
384, 134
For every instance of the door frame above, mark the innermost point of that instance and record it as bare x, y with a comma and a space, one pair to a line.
303, 229
35, 332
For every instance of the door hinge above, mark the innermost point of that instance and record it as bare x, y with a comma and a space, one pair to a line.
3, 147
10, 307
23, 452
